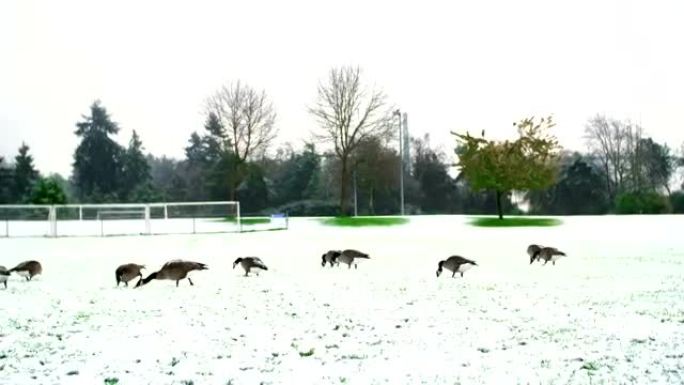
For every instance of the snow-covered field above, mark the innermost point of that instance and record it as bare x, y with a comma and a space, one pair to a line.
612, 312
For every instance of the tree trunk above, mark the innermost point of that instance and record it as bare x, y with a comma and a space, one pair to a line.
343, 188
371, 203
234, 182
498, 204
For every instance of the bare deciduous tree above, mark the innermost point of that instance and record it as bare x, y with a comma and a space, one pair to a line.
247, 118
631, 162
608, 141
348, 113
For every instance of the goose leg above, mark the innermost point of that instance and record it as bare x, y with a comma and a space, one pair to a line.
453, 274
554, 263
5, 284
356, 266
246, 272
461, 274
28, 279
190, 280
178, 280
126, 283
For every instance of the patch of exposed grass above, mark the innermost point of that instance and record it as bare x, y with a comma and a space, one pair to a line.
364, 221
514, 222
308, 353
590, 366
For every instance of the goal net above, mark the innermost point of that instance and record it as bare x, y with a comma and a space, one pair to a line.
24, 220
120, 219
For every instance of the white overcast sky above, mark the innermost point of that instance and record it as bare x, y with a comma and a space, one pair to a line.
450, 65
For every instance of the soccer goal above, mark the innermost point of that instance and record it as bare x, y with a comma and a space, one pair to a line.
120, 219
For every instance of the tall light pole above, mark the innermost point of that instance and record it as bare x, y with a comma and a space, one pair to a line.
397, 113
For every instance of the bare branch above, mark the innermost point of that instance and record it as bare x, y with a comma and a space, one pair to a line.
248, 117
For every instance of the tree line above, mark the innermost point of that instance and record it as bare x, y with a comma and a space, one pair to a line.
622, 170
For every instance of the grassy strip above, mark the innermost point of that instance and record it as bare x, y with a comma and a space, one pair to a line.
514, 222
364, 221
246, 221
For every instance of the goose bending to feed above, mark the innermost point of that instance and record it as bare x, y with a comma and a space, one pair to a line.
550, 254
28, 269
533, 252
174, 270
127, 272
455, 264
330, 257
250, 263
350, 257
4, 274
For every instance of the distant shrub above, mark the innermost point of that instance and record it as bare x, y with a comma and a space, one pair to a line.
307, 208
677, 202
641, 203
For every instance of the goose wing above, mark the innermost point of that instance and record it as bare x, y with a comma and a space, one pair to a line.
196, 266
457, 260
257, 262
554, 251
184, 265
27, 266
354, 253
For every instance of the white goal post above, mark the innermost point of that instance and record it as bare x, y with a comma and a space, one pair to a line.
120, 218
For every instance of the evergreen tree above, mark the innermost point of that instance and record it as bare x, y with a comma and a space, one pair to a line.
25, 175
135, 171
216, 142
6, 182
297, 175
437, 188
98, 158
48, 191
166, 176
252, 191
580, 190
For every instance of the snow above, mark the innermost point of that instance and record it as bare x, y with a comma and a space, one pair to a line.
610, 312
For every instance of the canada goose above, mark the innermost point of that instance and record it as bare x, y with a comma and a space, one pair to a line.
533, 252
350, 256
249, 263
455, 264
127, 272
174, 270
28, 269
550, 254
330, 257
4, 274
